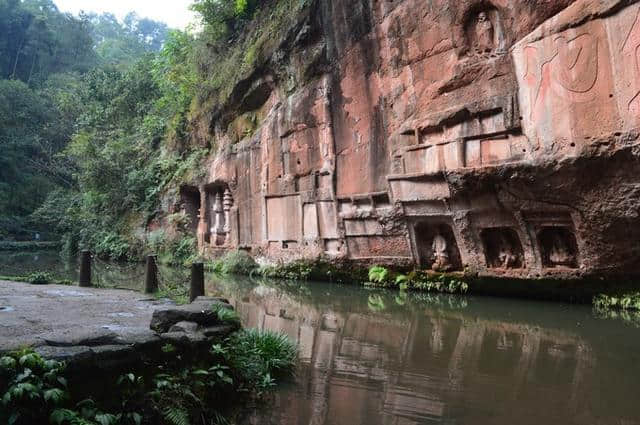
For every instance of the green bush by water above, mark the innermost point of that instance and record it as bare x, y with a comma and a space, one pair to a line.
235, 262
226, 315
244, 366
262, 356
320, 270
624, 306
627, 301
417, 280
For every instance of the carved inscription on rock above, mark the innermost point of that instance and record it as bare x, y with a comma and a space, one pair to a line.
631, 53
570, 72
567, 93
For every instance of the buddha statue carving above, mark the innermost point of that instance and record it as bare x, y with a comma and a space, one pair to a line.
560, 253
440, 256
507, 257
484, 35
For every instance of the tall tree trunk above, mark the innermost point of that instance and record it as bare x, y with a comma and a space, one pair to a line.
15, 63
33, 65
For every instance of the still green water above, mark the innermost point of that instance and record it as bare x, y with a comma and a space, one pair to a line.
378, 357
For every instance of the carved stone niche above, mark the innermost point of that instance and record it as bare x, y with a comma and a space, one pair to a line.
218, 214
436, 246
484, 34
558, 247
190, 206
502, 248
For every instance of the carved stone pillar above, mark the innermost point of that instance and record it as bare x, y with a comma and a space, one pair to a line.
202, 219
219, 211
227, 205
213, 222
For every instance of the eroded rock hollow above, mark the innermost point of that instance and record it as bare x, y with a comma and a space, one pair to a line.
495, 136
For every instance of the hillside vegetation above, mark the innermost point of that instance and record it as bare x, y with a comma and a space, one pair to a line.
95, 117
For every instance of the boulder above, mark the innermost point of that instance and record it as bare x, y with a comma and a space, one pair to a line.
200, 312
188, 327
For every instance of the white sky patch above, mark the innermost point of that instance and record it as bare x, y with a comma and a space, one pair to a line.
174, 13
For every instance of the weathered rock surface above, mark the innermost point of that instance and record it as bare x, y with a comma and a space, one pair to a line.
101, 328
199, 312
496, 136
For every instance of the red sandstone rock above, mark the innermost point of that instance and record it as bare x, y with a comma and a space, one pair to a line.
497, 135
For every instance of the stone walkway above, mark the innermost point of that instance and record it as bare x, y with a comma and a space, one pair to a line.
35, 315
72, 323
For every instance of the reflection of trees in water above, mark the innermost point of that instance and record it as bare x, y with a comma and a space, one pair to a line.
23, 263
376, 356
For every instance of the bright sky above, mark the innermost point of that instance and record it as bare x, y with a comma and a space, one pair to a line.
174, 13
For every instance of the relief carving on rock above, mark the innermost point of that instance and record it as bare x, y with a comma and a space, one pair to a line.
568, 71
631, 49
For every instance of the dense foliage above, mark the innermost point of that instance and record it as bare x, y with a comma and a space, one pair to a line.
38, 391
95, 118
56, 71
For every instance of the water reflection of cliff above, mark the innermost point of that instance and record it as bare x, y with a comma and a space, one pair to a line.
415, 363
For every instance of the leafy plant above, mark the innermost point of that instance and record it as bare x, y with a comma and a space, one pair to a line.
226, 315
624, 306
378, 274
235, 262
34, 390
40, 278
31, 387
417, 280
261, 356
627, 301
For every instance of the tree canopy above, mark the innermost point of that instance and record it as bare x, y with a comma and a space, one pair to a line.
59, 75
95, 114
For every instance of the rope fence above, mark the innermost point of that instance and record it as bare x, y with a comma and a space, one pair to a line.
175, 283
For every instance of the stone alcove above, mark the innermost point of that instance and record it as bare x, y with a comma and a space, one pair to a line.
502, 248
190, 206
558, 247
218, 213
436, 246
483, 32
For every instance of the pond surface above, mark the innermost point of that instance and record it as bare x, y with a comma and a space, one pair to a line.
382, 357
377, 357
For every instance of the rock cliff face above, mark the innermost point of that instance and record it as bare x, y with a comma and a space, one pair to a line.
499, 136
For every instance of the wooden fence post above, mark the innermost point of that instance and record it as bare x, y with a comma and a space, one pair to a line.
197, 281
151, 275
85, 269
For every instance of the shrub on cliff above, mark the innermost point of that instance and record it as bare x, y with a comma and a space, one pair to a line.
319, 270
235, 262
417, 280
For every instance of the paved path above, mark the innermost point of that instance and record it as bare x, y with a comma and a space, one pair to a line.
55, 315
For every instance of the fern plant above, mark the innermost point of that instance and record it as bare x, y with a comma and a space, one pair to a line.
379, 274
176, 415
